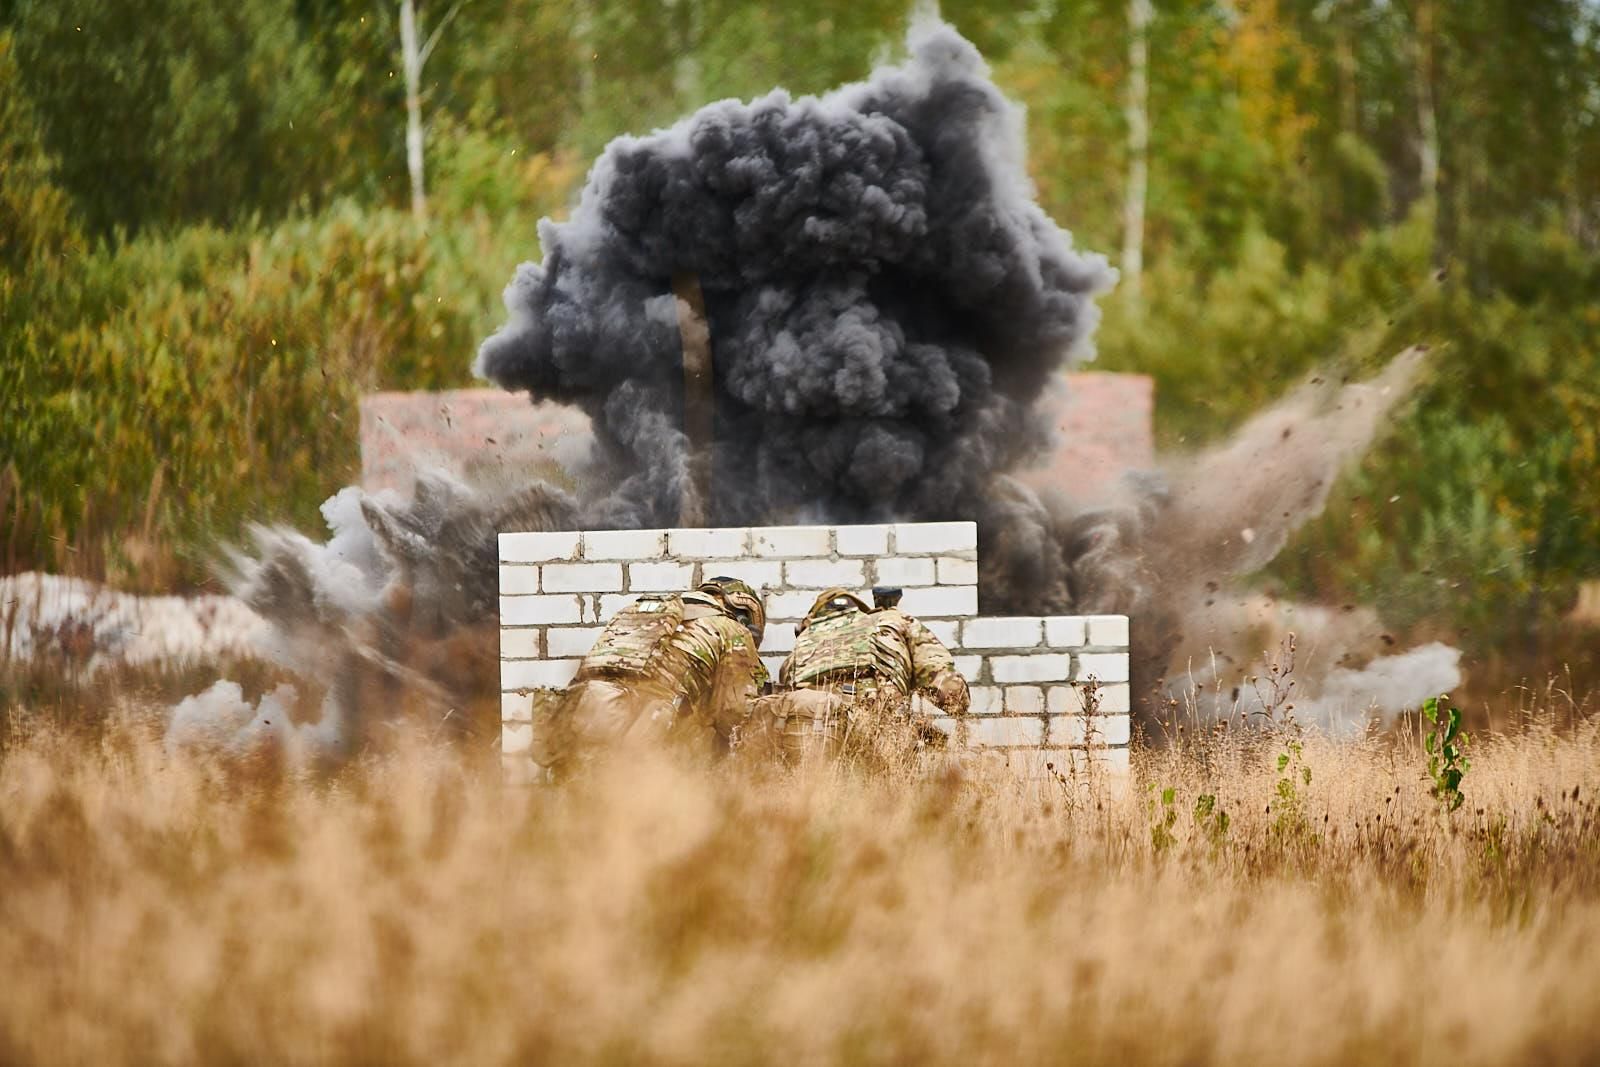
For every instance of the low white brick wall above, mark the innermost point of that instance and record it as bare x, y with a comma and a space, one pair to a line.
1028, 675
1031, 681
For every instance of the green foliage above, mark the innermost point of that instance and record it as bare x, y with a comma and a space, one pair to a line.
1288, 806
34, 214
1211, 822
1445, 745
1164, 816
198, 381
174, 110
1210, 819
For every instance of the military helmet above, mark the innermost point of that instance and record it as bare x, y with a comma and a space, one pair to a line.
830, 601
742, 602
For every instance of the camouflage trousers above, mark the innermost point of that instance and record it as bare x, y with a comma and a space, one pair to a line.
598, 714
802, 726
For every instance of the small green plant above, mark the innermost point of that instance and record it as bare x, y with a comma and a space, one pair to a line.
1446, 747
1165, 817
1289, 803
1209, 819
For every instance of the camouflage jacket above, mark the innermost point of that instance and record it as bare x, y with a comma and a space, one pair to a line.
888, 647
686, 647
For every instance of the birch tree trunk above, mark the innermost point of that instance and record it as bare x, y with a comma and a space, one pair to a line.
1345, 59
1136, 113
411, 57
1427, 121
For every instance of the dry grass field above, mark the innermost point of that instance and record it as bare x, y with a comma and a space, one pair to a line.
413, 910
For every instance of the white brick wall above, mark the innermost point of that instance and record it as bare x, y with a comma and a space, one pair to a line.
1027, 674
1001, 633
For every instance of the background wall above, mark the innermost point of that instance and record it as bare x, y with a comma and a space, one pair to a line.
1048, 684
1103, 424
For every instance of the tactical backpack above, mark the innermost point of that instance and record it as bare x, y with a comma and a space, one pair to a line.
630, 639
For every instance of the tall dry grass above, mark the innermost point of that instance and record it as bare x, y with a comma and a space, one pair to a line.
413, 910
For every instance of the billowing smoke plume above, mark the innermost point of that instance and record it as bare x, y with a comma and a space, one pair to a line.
1173, 549
397, 609
885, 301
221, 722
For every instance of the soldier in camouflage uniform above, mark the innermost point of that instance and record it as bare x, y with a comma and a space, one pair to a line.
684, 663
850, 660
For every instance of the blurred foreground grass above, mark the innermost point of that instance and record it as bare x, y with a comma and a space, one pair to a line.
411, 909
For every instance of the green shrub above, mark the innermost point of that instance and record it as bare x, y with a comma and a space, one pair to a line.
179, 386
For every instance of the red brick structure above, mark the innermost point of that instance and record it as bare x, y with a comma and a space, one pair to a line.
1103, 420
1104, 427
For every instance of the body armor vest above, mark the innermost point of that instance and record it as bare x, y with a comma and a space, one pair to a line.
671, 643
629, 642
870, 646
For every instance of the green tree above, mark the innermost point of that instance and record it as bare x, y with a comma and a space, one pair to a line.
171, 111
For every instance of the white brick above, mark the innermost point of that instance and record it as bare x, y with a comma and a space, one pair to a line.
944, 630
1103, 666
1024, 699
933, 537
946, 601
790, 605
538, 547
790, 541
515, 737
1110, 730
1065, 631
519, 580
1001, 632
1064, 700
954, 571
531, 610
1108, 630
624, 544
519, 644
1065, 731
822, 573
986, 700
759, 573
582, 577
609, 604
536, 673
773, 665
1114, 699
969, 667
660, 577
897, 570
1041, 667
1068, 699
707, 544
516, 707
778, 637
862, 540
944, 725
570, 640
997, 731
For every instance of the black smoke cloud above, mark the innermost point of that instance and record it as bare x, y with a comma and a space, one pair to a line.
885, 301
